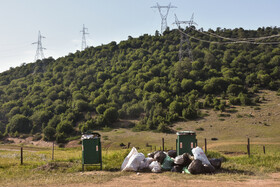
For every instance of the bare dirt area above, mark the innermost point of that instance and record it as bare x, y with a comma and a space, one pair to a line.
29, 141
152, 179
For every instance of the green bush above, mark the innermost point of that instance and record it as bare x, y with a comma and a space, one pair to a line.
49, 133
111, 115
64, 127
19, 123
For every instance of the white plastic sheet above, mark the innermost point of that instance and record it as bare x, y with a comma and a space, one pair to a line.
200, 155
155, 167
133, 161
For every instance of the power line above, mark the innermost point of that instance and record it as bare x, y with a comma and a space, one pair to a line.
39, 52
232, 42
84, 43
163, 16
241, 40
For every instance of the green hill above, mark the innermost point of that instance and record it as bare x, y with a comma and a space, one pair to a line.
140, 78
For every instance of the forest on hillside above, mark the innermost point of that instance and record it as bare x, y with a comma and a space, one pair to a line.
139, 78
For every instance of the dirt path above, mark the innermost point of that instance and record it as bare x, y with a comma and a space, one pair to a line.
161, 180
151, 179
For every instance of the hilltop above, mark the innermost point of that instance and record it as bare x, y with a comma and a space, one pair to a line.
140, 78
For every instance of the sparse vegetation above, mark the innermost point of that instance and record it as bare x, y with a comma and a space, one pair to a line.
200, 129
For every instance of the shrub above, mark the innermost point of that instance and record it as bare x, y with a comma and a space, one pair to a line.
49, 133
244, 99
80, 105
64, 127
61, 138
163, 127
234, 100
111, 114
187, 84
234, 89
19, 123
190, 112
100, 109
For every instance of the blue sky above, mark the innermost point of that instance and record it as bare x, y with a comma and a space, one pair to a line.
61, 21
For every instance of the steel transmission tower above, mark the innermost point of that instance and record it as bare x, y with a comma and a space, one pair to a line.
39, 51
84, 43
163, 16
184, 39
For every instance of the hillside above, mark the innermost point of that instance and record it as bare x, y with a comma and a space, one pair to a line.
140, 78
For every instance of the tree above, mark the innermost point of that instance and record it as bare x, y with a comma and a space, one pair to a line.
64, 127
111, 114
234, 89
49, 133
81, 105
175, 107
190, 112
102, 99
187, 84
19, 123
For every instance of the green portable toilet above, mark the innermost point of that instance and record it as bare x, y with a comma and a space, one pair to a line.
186, 140
91, 149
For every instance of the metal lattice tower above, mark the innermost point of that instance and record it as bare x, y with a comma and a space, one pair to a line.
84, 43
40, 48
184, 39
163, 15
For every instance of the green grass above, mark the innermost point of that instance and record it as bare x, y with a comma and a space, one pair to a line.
39, 169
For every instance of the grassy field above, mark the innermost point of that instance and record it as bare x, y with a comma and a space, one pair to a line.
260, 124
39, 169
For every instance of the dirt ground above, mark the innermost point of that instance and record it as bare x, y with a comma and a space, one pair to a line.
152, 179
29, 141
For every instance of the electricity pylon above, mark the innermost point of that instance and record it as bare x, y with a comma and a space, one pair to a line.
184, 39
163, 16
84, 43
40, 48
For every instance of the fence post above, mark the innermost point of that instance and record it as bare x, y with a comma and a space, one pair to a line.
128, 145
21, 155
205, 142
163, 144
53, 151
248, 147
263, 149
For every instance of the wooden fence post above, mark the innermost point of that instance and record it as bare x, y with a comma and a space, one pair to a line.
263, 149
163, 144
53, 151
128, 145
205, 142
21, 155
248, 147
